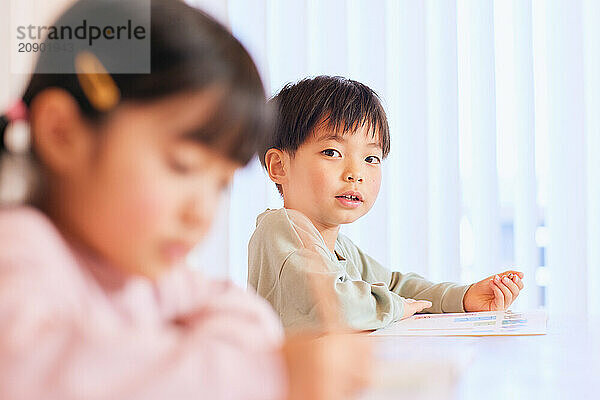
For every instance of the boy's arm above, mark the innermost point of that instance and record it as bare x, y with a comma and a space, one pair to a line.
446, 296
364, 305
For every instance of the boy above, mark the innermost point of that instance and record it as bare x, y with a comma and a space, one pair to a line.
324, 157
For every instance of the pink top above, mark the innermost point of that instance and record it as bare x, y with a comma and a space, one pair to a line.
74, 328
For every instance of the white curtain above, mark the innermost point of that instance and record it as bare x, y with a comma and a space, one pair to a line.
494, 109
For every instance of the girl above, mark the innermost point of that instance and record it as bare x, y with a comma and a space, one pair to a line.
93, 301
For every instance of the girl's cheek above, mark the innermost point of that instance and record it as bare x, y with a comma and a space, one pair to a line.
145, 199
149, 202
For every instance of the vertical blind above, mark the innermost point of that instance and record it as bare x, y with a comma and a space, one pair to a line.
494, 115
494, 109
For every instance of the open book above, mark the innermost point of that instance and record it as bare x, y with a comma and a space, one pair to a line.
488, 323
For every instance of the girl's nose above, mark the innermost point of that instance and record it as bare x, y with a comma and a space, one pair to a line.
198, 213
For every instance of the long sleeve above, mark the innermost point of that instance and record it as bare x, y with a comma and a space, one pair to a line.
290, 265
64, 336
53, 353
308, 276
446, 296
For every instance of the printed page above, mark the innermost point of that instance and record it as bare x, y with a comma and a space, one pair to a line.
488, 323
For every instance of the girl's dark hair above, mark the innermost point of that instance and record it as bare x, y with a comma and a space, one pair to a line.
3, 125
190, 51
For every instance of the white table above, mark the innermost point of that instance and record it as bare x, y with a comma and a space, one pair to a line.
563, 364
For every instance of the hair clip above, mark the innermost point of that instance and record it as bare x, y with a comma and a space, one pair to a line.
95, 81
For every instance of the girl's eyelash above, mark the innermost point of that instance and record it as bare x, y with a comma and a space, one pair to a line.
224, 183
179, 166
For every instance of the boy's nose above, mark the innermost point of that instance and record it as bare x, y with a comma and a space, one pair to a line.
352, 177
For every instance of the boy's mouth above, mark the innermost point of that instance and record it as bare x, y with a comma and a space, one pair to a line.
350, 199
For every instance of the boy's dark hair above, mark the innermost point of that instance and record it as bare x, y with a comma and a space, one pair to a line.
342, 104
190, 51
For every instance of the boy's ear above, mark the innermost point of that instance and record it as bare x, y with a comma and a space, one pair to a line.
61, 137
276, 162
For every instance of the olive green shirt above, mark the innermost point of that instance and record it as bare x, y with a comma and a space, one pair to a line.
290, 265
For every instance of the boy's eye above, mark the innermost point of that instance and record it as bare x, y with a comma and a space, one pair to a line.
331, 153
373, 160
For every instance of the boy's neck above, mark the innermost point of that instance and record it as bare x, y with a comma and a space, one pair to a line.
328, 232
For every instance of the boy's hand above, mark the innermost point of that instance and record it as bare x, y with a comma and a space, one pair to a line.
412, 306
494, 293
330, 367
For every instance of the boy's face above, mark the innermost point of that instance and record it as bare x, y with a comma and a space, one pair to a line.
332, 178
